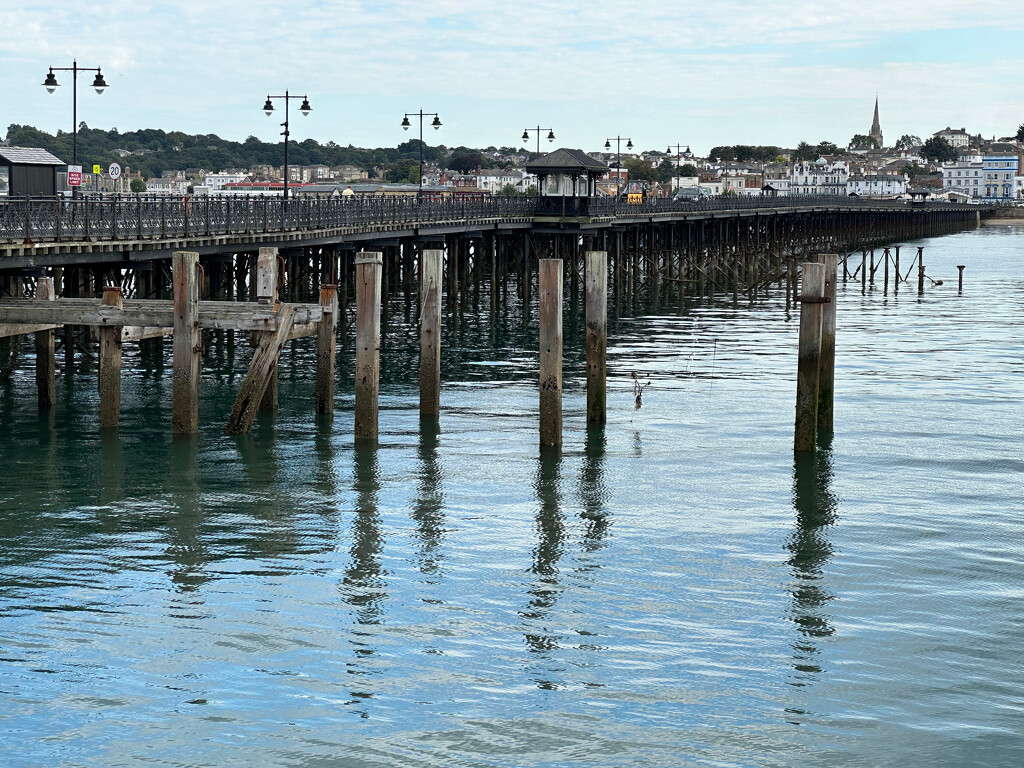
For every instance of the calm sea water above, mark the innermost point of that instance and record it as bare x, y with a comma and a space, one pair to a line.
672, 590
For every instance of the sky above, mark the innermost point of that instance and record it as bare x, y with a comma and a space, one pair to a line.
674, 72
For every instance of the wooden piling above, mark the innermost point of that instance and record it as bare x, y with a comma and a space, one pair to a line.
264, 362
597, 336
187, 343
960, 279
827, 365
110, 363
368, 287
920, 270
811, 301
267, 292
326, 349
46, 364
430, 333
550, 296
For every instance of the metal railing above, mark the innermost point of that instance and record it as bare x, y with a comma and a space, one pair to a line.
132, 217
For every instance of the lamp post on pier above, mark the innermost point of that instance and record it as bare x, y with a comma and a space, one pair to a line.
436, 124
537, 130
305, 109
618, 157
51, 86
679, 154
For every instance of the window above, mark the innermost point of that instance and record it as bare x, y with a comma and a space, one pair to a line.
5, 186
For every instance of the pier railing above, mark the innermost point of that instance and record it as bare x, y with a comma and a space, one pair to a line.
136, 217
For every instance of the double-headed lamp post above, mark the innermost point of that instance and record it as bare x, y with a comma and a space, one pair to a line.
537, 130
618, 156
680, 153
436, 124
51, 86
304, 108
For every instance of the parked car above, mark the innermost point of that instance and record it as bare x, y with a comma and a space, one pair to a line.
684, 194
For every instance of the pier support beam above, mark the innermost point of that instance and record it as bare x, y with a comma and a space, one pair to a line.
264, 362
46, 364
368, 287
326, 349
597, 336
827, 366
430, 333
811, 301
267, 292
550, 296
187, 343
110, 363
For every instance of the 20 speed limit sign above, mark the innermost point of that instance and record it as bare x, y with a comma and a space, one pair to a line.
114, 170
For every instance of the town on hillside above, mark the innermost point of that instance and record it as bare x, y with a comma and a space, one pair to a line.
952, 164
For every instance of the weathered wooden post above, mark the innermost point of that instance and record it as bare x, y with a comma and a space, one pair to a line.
885, 278
863, 272
960, 279
187, 343
827, 366
920, 270
110, 363
550, 296
430, 333
597, 336
46, 364
368, 286
896, 267
326, 349
267, 292
811, 300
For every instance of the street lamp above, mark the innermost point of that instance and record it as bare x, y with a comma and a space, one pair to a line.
618, 156
51, 85
679, 153
305, 109
537, 130
435, 125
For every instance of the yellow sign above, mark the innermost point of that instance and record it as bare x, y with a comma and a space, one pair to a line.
96, 169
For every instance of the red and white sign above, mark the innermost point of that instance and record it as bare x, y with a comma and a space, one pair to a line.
114, 170
74, 175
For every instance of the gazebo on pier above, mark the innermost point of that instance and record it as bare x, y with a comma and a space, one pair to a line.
567, 180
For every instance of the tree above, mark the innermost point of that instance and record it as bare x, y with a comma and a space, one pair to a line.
138, 186
908, 140
860, 141
640, 169
723, 154
666, 170
509, 190
1020, 132
688, 169
805, 151
464, 162
939, 150
827, 148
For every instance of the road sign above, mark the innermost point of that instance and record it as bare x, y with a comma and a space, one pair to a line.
114, 171
74, 175
97, 170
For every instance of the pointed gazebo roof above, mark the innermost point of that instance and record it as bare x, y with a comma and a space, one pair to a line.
564, 160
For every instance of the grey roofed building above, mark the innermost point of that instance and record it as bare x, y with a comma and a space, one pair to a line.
559, 172
28, 171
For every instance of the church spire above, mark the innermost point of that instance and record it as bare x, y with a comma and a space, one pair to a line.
876, 128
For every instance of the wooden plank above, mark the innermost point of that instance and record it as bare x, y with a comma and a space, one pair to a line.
264, 360
430, 333
368, 286
140, 332
110, 364
187, 340
46, 364
597, 335
20, 329
326, 350
550, 296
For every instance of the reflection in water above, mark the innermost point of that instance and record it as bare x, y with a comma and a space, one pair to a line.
810, 549
592, 491
186, 551
428, 507
362, 585
550, 537
111, 469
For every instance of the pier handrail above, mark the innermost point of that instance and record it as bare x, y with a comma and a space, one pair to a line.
159, 217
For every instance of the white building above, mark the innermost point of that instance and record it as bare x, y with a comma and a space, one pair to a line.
495, 179
217, 181
877, 185
999, 172
819, 178
955, 137
966, 177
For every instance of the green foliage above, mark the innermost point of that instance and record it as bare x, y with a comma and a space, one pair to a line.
805, 151
1020, 132
401, 171
908, 140
640, 169
744, 153
722, 154
509, 190
688, 169
911, 170
666, 170
939, 150
827, 148
860, 141
138, 186
465, 161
